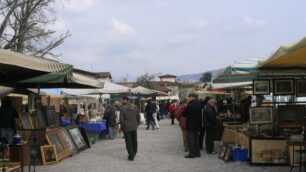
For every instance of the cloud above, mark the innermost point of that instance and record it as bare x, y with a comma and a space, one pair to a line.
122, 27
254, 22
201, 24
78, 5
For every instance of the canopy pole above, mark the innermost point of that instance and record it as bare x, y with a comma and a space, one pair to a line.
38, 89
232, 93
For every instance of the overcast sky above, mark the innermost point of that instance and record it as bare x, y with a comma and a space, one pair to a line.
131, 37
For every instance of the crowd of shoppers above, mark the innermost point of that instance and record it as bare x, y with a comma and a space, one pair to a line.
197, 120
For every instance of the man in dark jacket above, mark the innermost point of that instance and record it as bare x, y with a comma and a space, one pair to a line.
202, 129
129, 121
150, 109
7, 120
210, 123
193, 123
110, 116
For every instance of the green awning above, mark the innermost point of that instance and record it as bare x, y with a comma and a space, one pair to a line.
59, 80
15, 67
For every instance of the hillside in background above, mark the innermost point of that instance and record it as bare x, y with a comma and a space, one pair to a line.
193, 77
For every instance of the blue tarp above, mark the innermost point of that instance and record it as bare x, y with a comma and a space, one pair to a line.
98, 127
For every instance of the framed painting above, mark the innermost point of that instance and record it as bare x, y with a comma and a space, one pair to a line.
54, 137
261, 115
261, 87
41, 120
283, 87
85, 136
77, 138
228, 153
301, 88
52, 118
268, 151
25, 121
68, 140
48, 154
222, 152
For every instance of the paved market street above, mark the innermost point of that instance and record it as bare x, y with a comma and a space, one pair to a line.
159, 151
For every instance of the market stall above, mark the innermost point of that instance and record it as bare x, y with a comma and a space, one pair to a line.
274, 133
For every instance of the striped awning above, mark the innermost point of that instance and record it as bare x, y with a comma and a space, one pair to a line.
58, 80
239, 72
15, 67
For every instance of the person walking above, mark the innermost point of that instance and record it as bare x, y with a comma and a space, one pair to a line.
7, 120
182, 122
210, 123
129, 121
172, 110
202, 129
193, 123
155, 114
150, 110
163, 110
111, 117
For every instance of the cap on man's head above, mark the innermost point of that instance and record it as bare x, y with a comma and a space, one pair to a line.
193, 95
125, 98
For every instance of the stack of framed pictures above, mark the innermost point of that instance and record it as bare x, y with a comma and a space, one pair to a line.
54, 137
281, 87
67, 141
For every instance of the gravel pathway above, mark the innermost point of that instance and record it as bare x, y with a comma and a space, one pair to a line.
159, 151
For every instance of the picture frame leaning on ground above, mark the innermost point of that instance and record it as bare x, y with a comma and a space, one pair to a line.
54, 137
261, 87
77, 138
261, 115
222, 152
48, 154
228, 153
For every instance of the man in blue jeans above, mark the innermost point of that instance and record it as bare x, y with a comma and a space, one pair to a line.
7, 120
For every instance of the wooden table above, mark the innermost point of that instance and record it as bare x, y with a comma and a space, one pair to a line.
302, 151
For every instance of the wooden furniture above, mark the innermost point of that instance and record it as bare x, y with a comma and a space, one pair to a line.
20, 153
231, 136
301, 151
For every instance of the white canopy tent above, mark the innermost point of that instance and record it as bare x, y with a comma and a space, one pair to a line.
143, 91
109, 88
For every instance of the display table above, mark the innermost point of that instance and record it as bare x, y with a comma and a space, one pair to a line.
297, 146
94, 130
20, 153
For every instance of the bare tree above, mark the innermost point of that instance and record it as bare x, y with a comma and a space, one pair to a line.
146, 79
25, 27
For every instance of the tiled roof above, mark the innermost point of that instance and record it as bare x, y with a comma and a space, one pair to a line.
167, 76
